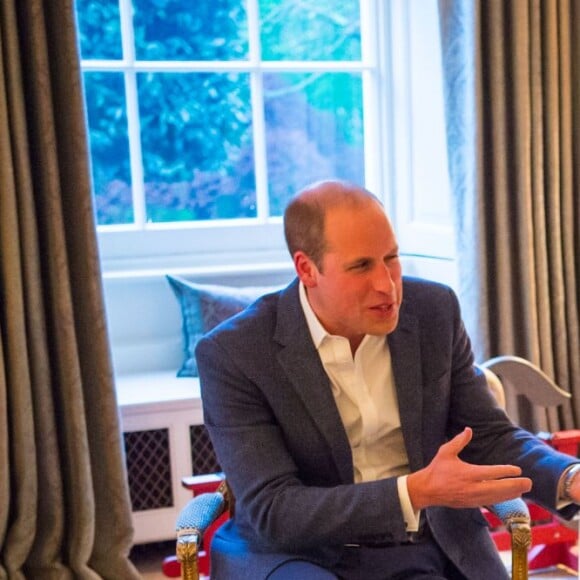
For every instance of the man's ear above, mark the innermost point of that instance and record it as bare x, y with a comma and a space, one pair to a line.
306, 269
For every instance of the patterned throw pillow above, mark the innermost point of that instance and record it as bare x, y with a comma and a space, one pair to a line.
204, 306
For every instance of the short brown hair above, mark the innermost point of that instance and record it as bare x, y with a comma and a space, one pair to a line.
305, 215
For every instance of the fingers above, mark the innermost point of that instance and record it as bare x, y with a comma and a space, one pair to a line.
492, 472
510, 486
515, 486
459, 442
487, 492
481, 473
478, 472
460, 492
452, 482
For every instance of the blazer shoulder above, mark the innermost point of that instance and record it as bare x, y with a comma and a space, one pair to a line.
418, 288
426, 297
247, 338
259, 321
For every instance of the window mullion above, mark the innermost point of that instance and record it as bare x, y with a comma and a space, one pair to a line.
371, 76
133, 123
258, 120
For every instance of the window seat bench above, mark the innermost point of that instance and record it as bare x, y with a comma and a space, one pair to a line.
164, 437
161, 414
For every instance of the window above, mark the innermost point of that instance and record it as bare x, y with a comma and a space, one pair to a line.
204, 118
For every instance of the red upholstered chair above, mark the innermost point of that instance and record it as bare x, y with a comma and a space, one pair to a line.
551, 540
213, 503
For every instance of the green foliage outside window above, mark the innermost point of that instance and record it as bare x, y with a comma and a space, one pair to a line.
196, 128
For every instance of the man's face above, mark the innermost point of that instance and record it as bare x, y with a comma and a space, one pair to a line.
359, 288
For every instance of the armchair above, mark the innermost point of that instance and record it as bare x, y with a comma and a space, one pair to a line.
205, 512
213, 501
198, 516
197, 522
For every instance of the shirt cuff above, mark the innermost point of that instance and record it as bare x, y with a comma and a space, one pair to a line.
410, 516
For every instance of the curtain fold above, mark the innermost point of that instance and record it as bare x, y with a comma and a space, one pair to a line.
64, 504
512, 87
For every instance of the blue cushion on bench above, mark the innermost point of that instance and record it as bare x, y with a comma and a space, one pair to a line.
204, 306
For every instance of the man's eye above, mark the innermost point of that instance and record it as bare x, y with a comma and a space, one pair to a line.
360, 266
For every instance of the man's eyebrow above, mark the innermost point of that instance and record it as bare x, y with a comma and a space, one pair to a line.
392, 253
358, 260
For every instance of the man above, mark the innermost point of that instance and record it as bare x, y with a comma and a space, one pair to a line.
356, 434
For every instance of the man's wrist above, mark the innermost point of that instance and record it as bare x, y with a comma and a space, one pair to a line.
569, 477
410, 516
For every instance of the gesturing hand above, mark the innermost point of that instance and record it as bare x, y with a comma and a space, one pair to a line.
449, 481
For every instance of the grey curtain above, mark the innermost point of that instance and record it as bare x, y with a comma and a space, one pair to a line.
513, 126
64, 507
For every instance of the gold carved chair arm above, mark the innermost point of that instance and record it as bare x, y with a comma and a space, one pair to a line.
193, 520
515, 516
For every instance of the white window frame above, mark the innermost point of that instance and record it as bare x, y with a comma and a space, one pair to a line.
391, 91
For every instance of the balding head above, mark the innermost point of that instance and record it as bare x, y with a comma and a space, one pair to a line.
304, 217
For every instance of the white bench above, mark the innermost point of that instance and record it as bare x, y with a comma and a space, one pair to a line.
151, 404
156, 406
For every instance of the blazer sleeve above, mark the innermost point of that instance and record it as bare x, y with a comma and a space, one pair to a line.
496, 439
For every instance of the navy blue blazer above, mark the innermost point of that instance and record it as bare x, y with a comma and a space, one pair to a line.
278, 435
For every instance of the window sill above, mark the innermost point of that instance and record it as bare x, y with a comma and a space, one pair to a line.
156, 392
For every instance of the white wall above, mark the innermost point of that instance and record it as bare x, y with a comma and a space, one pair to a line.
144, 319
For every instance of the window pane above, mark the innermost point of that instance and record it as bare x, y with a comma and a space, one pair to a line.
314, 130
196, 134
99, 29
310, 30
107, 118
186, 30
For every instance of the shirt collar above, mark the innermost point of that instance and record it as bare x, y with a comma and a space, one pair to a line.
317, 331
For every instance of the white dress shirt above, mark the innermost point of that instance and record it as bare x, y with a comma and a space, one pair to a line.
364, 390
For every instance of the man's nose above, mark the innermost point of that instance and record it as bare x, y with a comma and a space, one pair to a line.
384, 280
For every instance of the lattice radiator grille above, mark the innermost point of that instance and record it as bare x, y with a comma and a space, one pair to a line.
203, 458
149, 469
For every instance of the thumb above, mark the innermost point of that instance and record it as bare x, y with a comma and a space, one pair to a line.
460, 441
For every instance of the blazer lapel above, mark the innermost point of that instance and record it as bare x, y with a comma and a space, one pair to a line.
406, 361
303, 368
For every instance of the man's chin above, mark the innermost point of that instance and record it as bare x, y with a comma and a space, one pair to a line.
384, 328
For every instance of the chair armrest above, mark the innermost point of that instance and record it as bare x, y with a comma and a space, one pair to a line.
512, 511
193, 521
199, 513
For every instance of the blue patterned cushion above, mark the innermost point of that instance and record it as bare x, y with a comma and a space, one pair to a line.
204, 306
